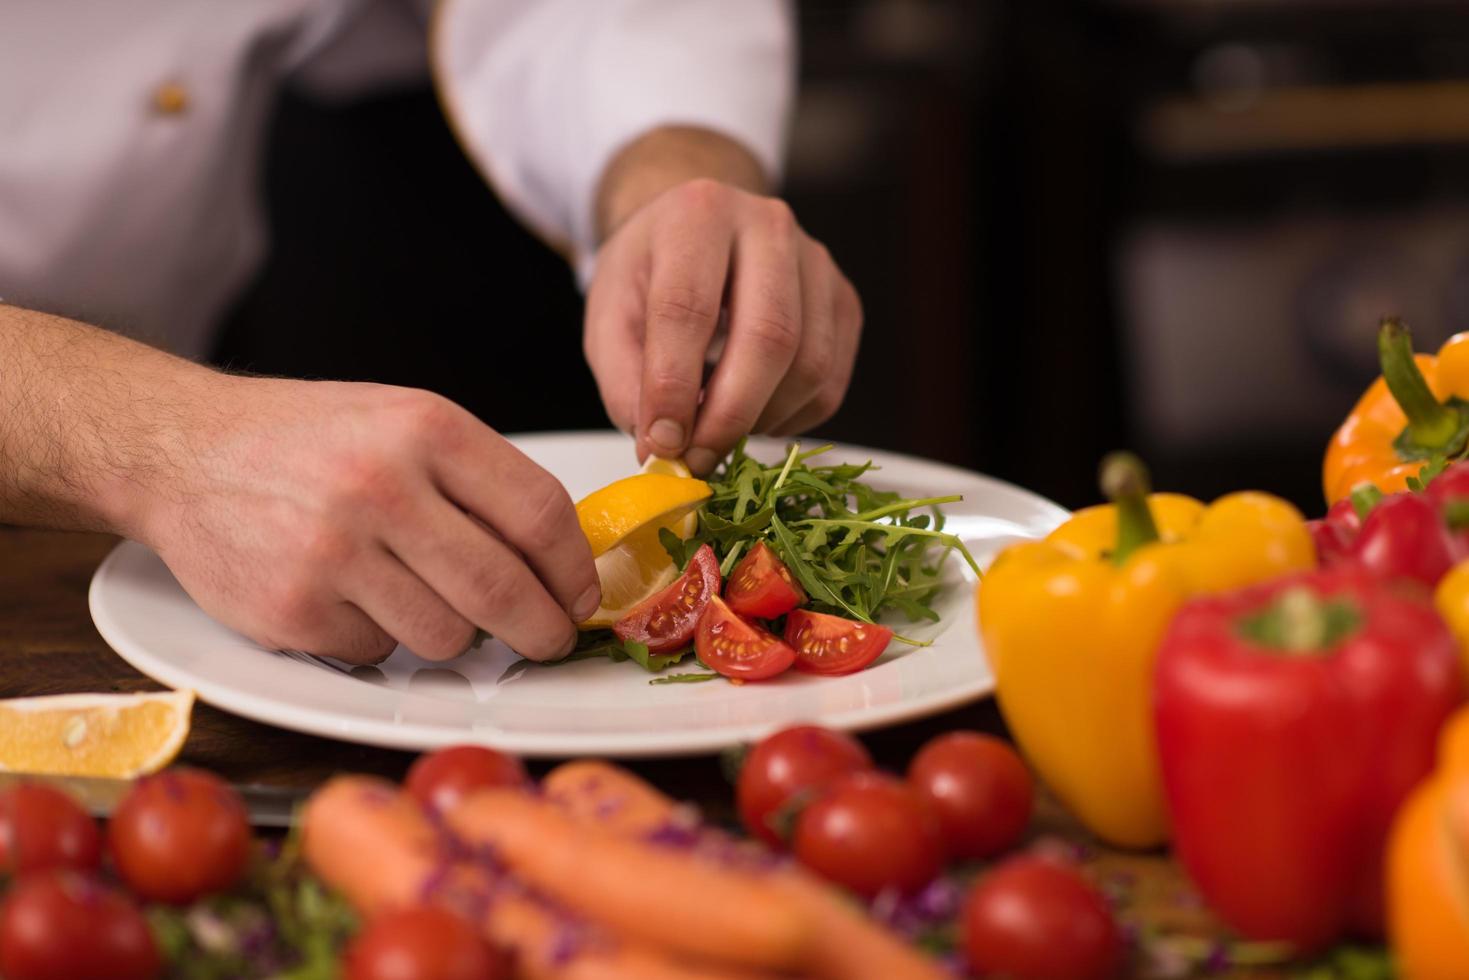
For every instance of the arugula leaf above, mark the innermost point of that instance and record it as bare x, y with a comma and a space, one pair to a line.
689, 677
592, 644
859, 552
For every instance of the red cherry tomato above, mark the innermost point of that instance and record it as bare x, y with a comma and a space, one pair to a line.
424, 943
795, 761
979, 789
1033, 918
1405, 537
41, 827
870, 832
761, 586
65, 925
833, 645
736, 647
666, 621
442, 778
179, 835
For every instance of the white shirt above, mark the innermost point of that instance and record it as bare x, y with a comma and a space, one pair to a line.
131, 131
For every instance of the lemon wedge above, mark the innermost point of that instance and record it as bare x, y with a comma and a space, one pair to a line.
621, 522
115, 735
668, 467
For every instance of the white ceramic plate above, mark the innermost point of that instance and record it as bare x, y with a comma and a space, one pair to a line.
590, 707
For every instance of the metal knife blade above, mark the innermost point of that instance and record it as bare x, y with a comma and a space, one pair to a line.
267, 806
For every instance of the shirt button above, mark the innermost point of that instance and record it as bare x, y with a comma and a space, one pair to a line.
170, 99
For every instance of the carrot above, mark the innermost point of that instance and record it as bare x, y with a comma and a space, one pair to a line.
598, 792
845, 942
634, 887
374, 845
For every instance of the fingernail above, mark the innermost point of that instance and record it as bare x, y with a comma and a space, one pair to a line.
586, 603
700, 460
666, 435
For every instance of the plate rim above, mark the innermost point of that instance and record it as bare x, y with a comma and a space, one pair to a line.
411, 736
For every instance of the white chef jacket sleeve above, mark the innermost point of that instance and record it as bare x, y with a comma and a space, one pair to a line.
543, 93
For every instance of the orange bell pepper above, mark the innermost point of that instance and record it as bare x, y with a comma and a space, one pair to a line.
1428, 867
1417, 410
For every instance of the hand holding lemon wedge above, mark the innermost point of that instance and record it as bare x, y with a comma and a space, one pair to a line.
621, 522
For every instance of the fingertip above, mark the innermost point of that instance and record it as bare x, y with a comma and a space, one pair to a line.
701, 461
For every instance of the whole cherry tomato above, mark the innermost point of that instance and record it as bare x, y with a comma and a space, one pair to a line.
440, 779
1033, 918
980, 790
179, 835
870, 832
422, 943
41, 827
788, 768
65, 925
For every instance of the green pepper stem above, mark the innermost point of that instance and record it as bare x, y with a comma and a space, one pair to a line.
1124, 481
1431, 424
1300, 622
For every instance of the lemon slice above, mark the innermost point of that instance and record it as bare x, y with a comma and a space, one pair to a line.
621, 522
115, 735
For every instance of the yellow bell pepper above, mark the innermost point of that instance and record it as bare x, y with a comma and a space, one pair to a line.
1451, 597
1428, 867
1072, 624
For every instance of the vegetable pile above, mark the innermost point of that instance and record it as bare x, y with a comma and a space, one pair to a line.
1279, 699
792, 564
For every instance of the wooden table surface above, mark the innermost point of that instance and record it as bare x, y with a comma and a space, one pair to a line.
48, 645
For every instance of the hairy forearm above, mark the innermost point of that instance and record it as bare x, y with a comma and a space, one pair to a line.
664, 158
88, 422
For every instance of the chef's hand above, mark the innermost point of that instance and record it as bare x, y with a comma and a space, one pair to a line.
681, 250
342, 518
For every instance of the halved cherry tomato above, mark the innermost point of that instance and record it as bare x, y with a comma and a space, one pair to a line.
833, 645
666, 621
42, 827
735, 647
788, 769
761, 586
440, 779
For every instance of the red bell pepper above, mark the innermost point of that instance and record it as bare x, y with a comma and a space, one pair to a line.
1292, 719
1413, 535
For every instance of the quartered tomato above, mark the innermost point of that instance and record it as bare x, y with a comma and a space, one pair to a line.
735, 647
833, 645
761, 586
666, 621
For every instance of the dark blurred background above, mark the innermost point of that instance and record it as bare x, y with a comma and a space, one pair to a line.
1075, 226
